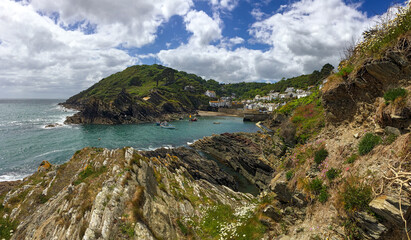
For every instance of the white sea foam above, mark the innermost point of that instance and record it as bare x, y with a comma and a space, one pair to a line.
50, 152
191, 143
12, 177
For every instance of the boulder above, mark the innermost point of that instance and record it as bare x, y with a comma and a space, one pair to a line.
389, 208
392, 130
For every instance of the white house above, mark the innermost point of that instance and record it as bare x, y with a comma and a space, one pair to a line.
290, 90
273, 95
220, 103
210, 94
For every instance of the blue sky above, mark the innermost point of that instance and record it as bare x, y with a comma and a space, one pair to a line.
56, 48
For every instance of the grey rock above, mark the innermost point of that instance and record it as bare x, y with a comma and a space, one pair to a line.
389, 208
272, 213
281, 190
369, 224
392, 130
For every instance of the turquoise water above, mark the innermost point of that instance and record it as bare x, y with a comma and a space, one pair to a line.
25, 142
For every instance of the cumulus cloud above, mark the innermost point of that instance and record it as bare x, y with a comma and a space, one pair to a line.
47, 51
132, 23
204, 28
224, 4
301, 37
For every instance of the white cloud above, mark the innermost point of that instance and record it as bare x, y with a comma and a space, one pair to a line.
204, 28
132, 23
301, 38
224, 4
43, 58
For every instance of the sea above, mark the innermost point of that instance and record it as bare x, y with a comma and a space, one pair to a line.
25, 141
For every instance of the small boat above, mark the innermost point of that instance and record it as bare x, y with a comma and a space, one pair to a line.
168, 126
193, 119
216, 122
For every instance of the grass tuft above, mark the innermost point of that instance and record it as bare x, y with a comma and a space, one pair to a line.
367, 143
320, 155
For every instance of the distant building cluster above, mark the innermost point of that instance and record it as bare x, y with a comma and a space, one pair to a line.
259, 102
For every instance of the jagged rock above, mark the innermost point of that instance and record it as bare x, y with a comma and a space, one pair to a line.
281, 190
272, 213
197, 166
299, 200
342, 100
243, 154
389, 208
372, 229
44, 166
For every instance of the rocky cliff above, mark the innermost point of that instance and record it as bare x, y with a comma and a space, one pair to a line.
125, 194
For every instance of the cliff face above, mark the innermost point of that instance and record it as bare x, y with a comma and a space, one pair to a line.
126, 109
358, 94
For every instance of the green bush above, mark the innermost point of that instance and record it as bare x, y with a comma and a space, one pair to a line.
323, 196
345, 71
355, 196
315, 186
395, 93
320, 190
320, 155
289, 175
352, 158
332, 173
367, 143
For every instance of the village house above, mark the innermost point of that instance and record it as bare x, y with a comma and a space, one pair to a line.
210, 94
290, 90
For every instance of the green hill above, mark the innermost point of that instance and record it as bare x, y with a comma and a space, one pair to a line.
146, 93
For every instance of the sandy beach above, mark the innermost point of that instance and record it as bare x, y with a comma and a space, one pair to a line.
213, 114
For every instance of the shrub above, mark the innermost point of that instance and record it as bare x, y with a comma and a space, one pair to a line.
395, 93
320, 155
323, 196
352, 158
289, 175
332, 174
315, 186
367, 143
345, 71
356, 197
320, 190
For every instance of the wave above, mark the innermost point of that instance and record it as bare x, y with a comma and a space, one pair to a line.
12, 177
50, 152
151, 148
191, 143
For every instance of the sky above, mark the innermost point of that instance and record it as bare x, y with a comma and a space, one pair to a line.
57, 48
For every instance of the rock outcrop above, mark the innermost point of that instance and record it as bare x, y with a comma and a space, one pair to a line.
125, 109
119, 194
246, 153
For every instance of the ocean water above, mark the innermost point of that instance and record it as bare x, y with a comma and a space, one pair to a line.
25, 142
